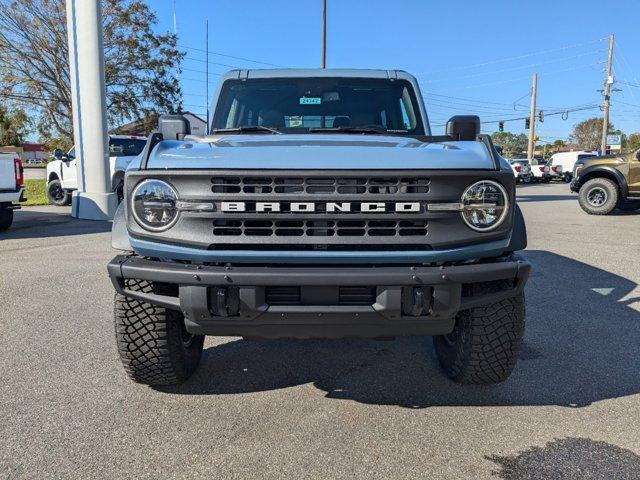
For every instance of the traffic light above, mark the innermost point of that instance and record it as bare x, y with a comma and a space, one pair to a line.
501, 126
527, 124
541, 116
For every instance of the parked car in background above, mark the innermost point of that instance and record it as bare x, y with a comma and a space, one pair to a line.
62, 173
11, 187
522, 170
555, 171
608, 182
540, 171
567, 161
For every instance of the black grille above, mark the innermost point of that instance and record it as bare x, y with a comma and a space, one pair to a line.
357, 295
282, 295
307, 295
319, 228
277, 186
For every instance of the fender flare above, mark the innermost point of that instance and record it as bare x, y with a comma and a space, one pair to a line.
117, 178
610, 171
518, 240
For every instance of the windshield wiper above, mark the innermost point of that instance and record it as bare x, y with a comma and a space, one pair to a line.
247, 129
374, 130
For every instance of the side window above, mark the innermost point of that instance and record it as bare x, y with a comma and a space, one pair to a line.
72, 153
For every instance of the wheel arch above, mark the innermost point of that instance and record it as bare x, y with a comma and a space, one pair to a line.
608, 173
52, 176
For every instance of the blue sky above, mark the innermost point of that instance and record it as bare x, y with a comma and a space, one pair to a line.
475, 57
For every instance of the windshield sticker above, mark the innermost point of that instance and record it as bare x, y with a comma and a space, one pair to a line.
310, 100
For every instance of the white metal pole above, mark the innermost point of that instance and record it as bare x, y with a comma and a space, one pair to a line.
94, 198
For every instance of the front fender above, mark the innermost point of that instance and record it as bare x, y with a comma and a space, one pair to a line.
53, 167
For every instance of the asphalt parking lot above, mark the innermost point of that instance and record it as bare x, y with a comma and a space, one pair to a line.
324, 409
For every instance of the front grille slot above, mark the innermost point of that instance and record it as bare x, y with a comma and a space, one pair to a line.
282, 295
311, 295
357, 295
319, 228
320, 185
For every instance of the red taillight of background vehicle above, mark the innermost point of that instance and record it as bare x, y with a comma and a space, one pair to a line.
17, 164
518, 168
554, 168
541, 168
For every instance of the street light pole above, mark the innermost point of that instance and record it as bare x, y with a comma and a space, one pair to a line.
532, 115
94, 199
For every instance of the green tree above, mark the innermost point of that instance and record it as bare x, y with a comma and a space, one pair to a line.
140, 65
512, 145
633, 142
14, 126
587, 135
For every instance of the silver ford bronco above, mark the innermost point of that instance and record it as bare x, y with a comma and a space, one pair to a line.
319, 205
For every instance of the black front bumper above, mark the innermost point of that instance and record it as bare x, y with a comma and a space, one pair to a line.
232, 300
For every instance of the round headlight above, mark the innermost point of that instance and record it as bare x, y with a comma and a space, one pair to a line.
485, 205
153, 204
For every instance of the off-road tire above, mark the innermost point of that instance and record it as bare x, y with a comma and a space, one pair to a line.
57, 195
629, 205
154, 347
484, 346
607, 188
6, 218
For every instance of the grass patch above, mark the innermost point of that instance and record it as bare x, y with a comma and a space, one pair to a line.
35, 193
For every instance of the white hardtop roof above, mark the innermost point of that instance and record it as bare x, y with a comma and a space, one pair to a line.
317, 72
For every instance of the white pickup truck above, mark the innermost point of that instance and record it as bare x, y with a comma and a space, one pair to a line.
11, 187
62, 173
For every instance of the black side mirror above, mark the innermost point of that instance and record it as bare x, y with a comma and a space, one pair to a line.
463, 127
174, 127
57, 154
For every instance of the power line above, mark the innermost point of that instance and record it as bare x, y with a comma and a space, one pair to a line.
472, 100
517, 79
211, 74
514, 119
518, 57
512, 69
230, 56
211, 62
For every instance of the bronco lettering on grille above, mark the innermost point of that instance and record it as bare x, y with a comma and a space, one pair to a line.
311, 207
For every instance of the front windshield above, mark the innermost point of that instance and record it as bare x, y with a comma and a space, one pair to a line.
296, 105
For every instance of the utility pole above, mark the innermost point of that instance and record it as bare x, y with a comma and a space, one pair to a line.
608, 81
532, 115
324, 33
206, 88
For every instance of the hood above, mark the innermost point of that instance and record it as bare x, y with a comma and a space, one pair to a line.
318, 151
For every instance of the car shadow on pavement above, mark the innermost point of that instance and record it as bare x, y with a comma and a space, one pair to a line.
582, 345
569, 458
29, 223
